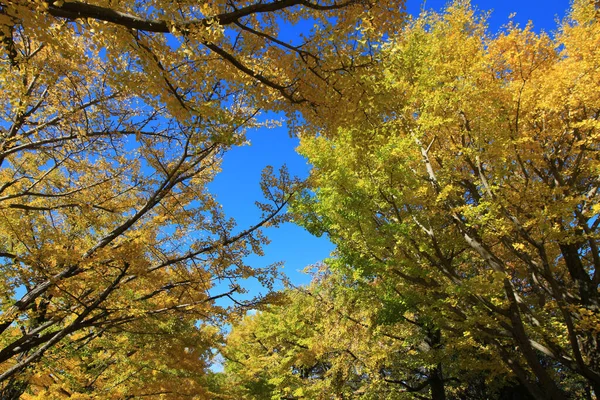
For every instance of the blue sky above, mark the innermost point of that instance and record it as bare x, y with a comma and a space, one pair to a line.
237, 187
542, 13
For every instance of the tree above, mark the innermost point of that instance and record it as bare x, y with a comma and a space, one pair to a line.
472, 183
305, 346
185, 47
101, 198
115, 118
346, 337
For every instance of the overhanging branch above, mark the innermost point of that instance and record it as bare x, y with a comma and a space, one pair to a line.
77, 9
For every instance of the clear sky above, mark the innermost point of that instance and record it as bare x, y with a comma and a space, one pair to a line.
237, 187
542, 13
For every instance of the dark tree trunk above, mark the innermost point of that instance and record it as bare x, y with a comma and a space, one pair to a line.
13, 389
436, 383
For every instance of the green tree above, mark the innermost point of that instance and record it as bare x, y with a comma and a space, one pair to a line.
347, 337
470, 183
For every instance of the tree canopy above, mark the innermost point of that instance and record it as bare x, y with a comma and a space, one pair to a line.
470, 191
456, 171
115, 117
352, 338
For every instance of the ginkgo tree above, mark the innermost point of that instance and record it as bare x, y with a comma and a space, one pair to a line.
470, 180
115, 117
346, 336
106, 219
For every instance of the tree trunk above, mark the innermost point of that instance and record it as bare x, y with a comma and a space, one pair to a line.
436, 383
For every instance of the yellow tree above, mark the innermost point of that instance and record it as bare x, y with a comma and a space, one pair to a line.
115, 116
106, 219
473, 182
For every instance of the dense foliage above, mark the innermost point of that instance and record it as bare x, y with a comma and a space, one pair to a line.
463, 201
457, 172
349, 338
115, 117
